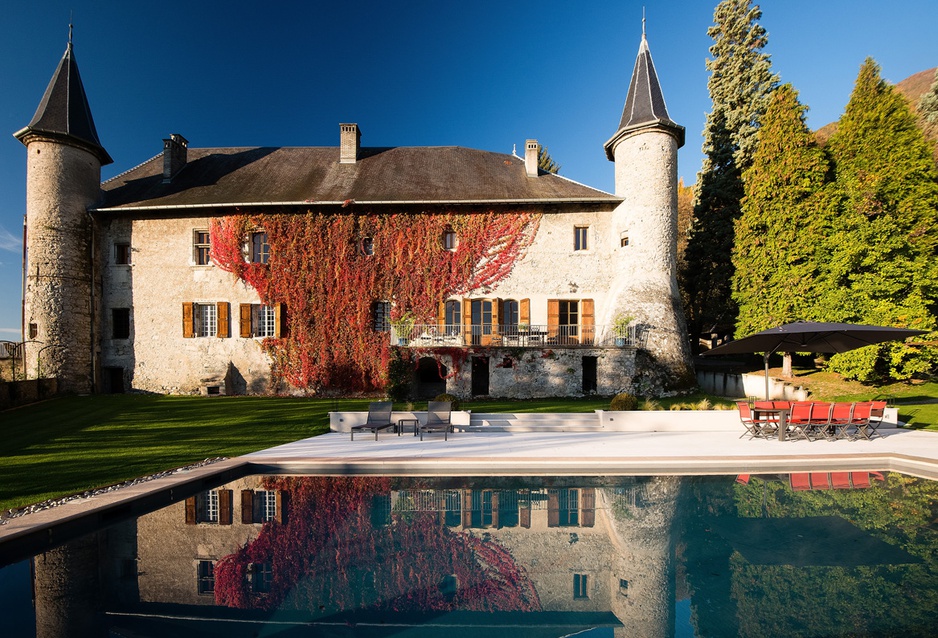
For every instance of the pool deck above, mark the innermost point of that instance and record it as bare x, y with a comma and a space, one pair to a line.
482, 454
590, 453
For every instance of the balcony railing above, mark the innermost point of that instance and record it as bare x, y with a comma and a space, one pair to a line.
511, 336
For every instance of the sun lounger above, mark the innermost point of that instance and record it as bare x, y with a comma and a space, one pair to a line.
379, 418
438, 419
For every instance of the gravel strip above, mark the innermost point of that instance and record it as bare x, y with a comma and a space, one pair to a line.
55, 502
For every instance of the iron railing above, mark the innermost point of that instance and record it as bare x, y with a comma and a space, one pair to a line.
432, 335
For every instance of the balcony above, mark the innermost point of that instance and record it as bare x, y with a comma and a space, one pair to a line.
534, 336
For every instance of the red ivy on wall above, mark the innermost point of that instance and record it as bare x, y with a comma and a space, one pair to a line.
320, 272
334, 554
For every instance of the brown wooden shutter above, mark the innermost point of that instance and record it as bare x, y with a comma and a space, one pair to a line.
224, 323
467, 321
588, 506
441, 317
224, 507
553, 317
247, 506
466, 508
553, 508
497, 315
188, 320
245, 321
524, 311
495, 510
281, 516
525, 509
280, 317
587, 321
190, 510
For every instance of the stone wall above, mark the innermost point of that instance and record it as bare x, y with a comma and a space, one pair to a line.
161, 277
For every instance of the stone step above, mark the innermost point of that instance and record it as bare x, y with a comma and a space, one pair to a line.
534, 422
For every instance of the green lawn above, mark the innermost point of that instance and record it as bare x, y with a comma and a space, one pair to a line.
72, 444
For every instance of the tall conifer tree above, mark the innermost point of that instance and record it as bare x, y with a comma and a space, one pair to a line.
884, 248
740, 82
777, 257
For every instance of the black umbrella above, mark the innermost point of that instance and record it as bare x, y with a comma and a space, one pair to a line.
809, 336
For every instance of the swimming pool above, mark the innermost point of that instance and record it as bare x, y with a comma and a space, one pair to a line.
800, 554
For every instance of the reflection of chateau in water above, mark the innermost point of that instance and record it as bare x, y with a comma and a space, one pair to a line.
574, 554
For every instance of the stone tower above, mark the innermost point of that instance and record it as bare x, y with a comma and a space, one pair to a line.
63, 179
644, 150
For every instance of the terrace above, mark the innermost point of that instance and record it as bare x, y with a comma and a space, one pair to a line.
430, 335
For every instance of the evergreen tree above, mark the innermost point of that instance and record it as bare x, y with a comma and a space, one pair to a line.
883, 248
777, 257
740, 82
928, 105
545, 162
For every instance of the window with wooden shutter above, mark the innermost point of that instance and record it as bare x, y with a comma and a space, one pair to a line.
280, 317
466, 509
244, 321
587, 321
190, 511
224, 507
247, 506
553, 318
467, 321
588, 506
223, 322
524, 312
281, 508
188, 320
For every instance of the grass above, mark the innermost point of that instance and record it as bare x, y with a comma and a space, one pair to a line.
72, 444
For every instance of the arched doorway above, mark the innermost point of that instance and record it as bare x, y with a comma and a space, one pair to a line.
430, 378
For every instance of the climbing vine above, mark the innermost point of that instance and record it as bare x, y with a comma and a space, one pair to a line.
321, 271
340, 550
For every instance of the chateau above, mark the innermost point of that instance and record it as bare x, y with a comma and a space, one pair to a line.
317, 269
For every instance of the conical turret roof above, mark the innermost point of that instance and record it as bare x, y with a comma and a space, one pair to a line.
64, 112
644, 106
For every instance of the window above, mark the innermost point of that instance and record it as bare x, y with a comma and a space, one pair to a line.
120, 323
381, 316
450, 241
122, 253
569, 318
206, 507
206, 319
201, 245
563, 508
581, 238
265, 506
261, 577
624, 238
581, 586
453, 317
509, 316
260, 249
368, 246
263, 320
206, 578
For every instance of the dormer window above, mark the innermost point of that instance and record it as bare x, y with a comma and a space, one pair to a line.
450, 241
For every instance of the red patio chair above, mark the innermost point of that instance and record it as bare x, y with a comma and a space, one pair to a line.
799, 420
840, 480
841, 417
820, 481
799, 481
753, 428
860, 420
877, 411
820, 420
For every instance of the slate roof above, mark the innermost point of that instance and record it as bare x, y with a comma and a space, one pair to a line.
64, 112
300, 175
645, 105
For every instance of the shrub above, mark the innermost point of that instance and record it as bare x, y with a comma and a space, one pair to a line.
623, 401
650, 405
448, 397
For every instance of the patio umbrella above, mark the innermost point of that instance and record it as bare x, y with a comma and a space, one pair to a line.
809, 336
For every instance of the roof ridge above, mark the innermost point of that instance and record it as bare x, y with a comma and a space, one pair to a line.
131, 169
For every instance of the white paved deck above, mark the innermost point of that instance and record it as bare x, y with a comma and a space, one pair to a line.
539, 453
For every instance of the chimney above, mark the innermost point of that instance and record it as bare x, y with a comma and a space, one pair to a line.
531, 149
174, 156
350, 143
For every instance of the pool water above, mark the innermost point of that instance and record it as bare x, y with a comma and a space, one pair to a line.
804, 554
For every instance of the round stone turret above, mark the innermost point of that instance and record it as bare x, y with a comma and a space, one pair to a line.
63, 177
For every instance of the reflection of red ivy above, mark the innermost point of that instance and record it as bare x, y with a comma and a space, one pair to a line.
331, 555
318, 271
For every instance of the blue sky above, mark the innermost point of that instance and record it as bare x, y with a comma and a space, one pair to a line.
486, 74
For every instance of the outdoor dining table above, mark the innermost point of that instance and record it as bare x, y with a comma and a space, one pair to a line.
766, 414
